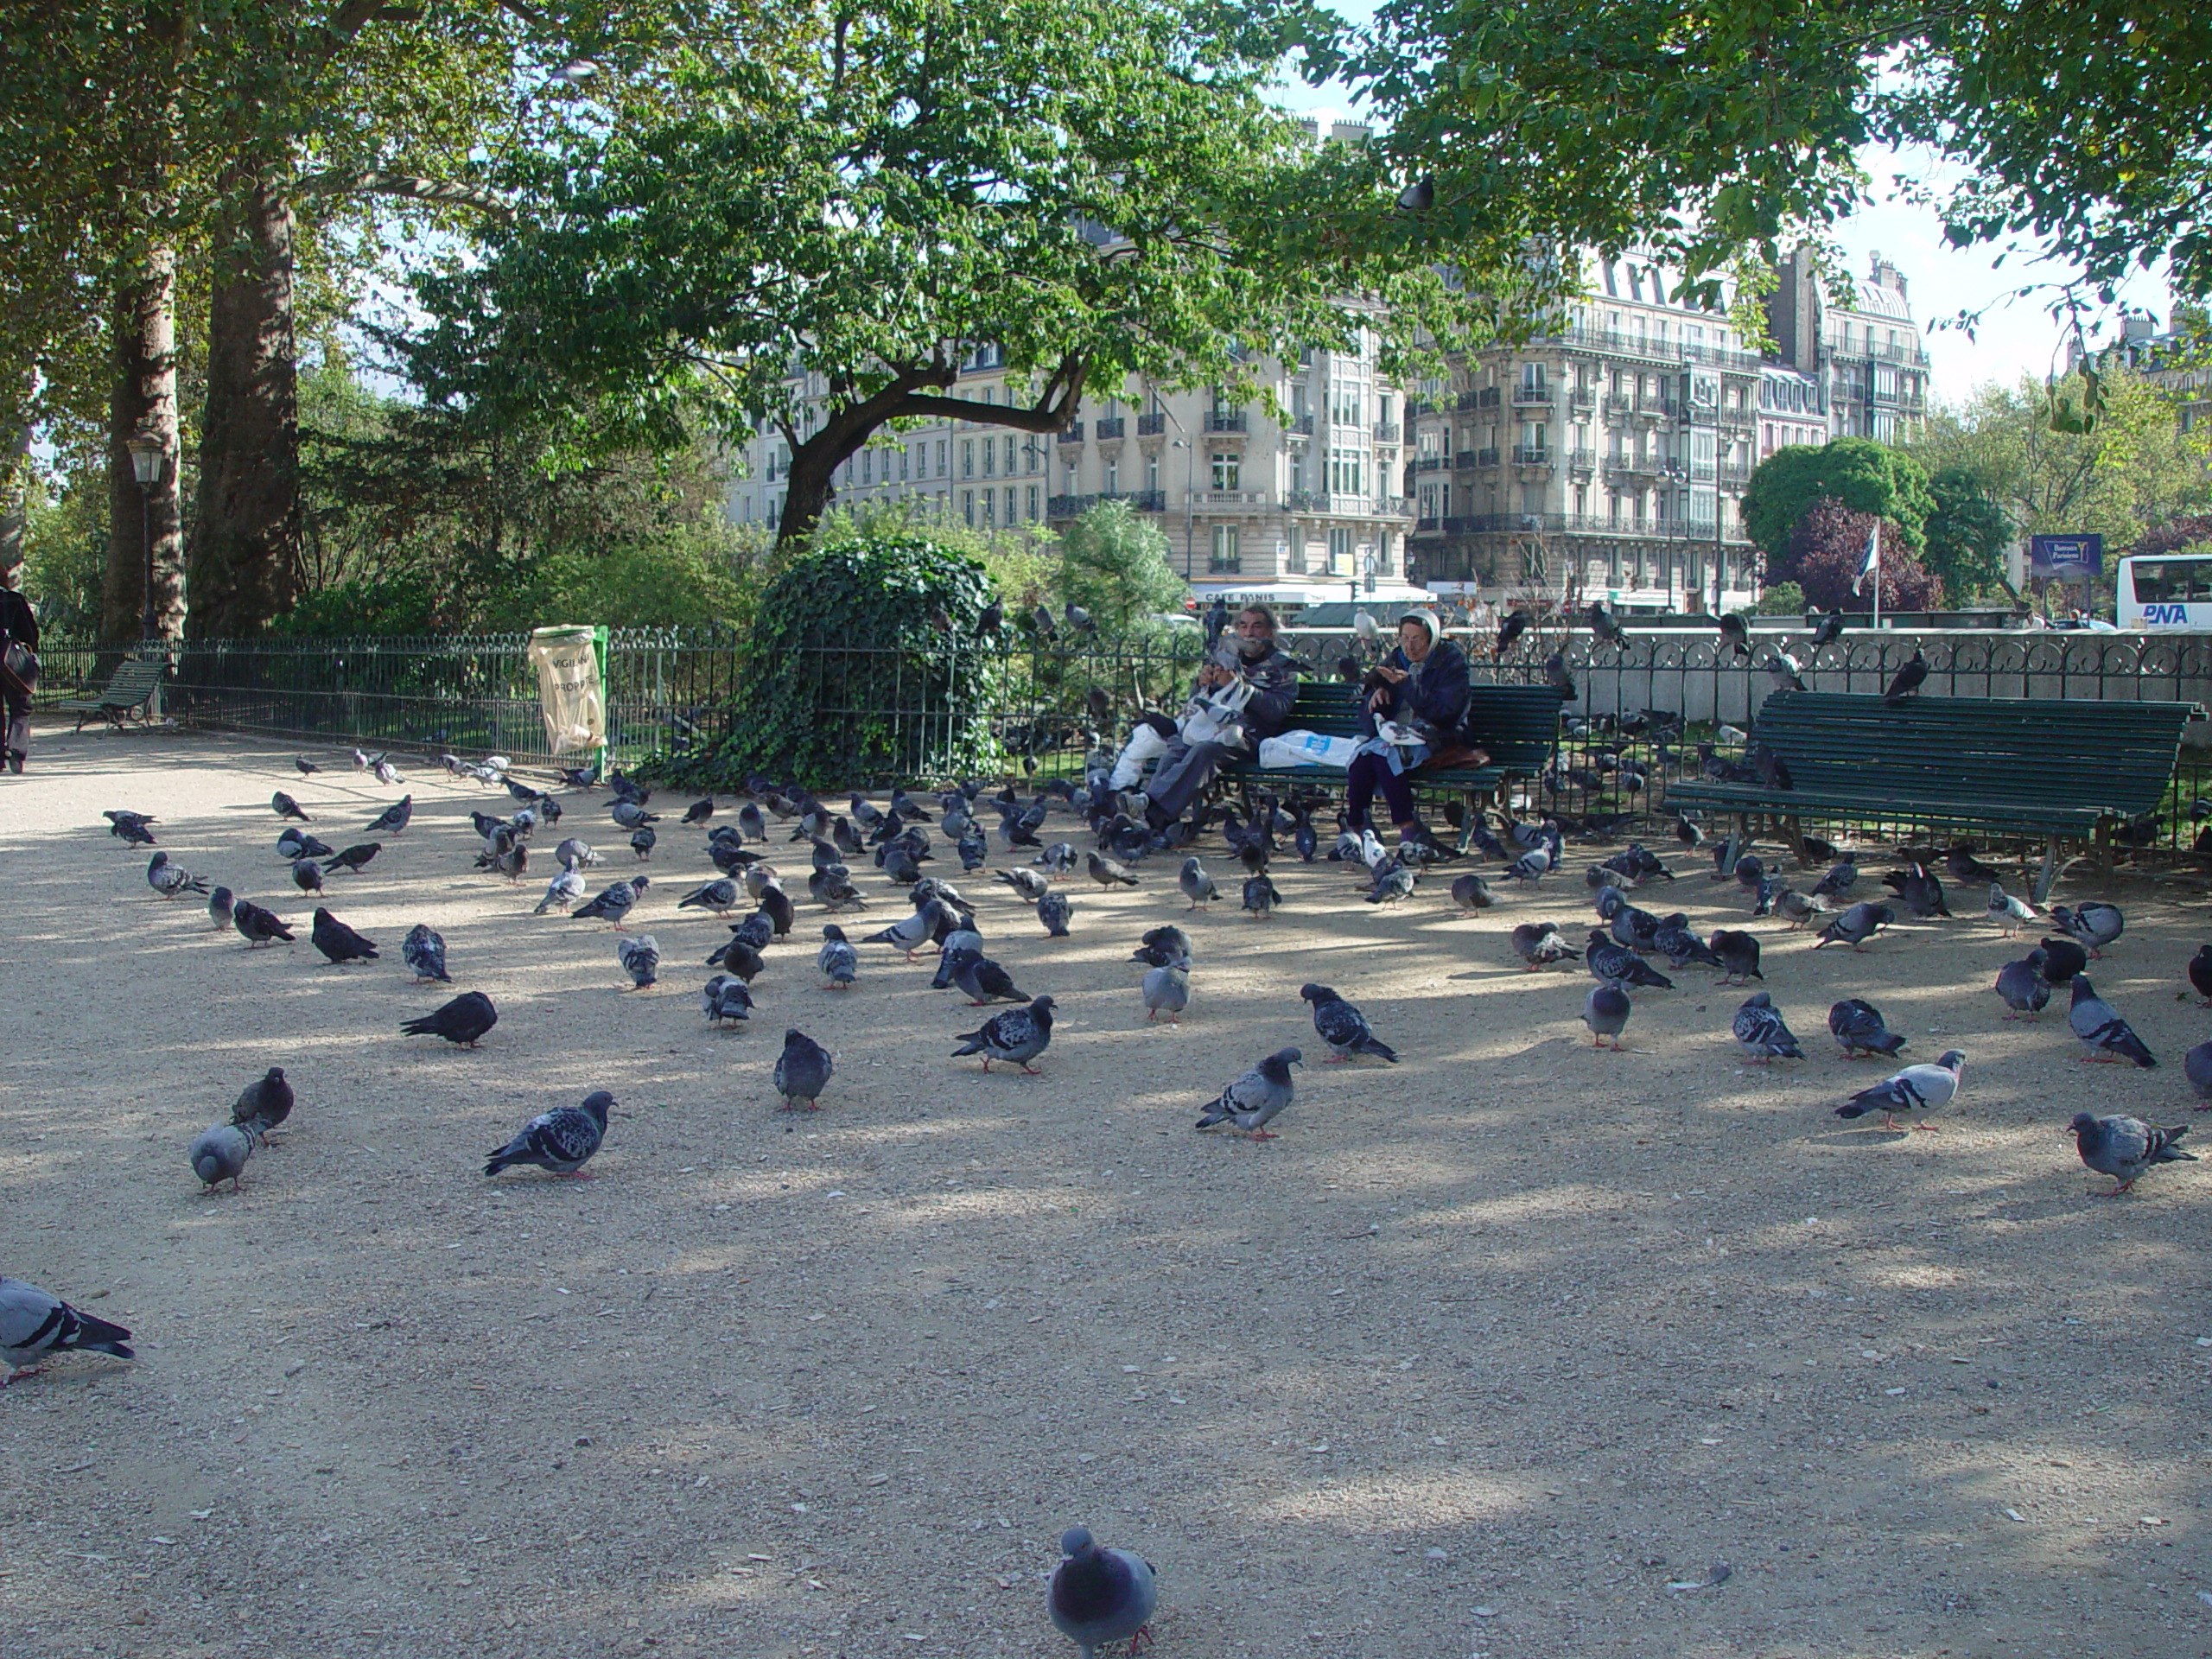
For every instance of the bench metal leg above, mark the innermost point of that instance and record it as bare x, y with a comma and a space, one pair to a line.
2048, 878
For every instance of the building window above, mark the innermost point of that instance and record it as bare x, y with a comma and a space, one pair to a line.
1339, 551
990, 458
1009, 454
1223, 555
1009, 507
991, 508
1032, 504
1152, 473
1347, 470
1225, 470
1113, 478
1294, 555
968, 458
968, 506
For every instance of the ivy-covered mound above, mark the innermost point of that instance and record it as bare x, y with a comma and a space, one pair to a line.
866, 665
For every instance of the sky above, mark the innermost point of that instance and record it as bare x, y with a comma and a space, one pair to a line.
2015, 337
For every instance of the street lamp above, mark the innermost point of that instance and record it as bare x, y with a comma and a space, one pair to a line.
1190, 504
147, 457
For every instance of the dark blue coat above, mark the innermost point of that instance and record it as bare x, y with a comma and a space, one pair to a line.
1441, 701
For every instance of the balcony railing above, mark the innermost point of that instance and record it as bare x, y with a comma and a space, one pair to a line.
1581, 460
1388, 432
1735, 475
1532, 455
1073, 435
1431, 463
1218, 499
1225, 420
1068, 507
1485, 457
1299, 426
1151, 426
1572, 524
1111, 426
1532, 397
1617, 404
1583, 396
1633, 466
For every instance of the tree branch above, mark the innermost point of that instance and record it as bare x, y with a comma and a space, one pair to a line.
444, 193
1054, 411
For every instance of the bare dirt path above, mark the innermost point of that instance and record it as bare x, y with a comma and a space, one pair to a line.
1514, 1350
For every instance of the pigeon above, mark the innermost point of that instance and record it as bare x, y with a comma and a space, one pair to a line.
1197, 887
562, 893
264, 1105
306, 875
575, 855
631, 816
2200, 973
1028, 886
1558, 680
1761, 1033
287, 807
219, 1152
640, 959
1673, 939
1515, 624
2009, 913
1856, 926
1797, 909
353, 860
131, 830
424, 953
983, 980
719, 896
385, 770
218, 908
755, 930
1838, 881
257, 926
1470, 893
2023, 988
393, 817
1167, 991
699, 812
1541, 943
2196, 1066
169, 880
1054, 911
612, 902
2062, 960
642, 840
1167, 937
1907, 680
2096, 925
562, 1141
1740, 954
35, 1323
751, 825
908, 934
306, 767
1395, 882
1965, 866
1099, 1596
1614, 964
2102, 1032
725, 998
802, 1071
1735, 632
1782, 673
1107, 873
1257, 1098
1827, 630
1920, 889
2123, 1148
1606, 1011
1013, 1037
1917, 1089
1260, 895
1343, 1027
339, 943
1858, 1029
464, 1021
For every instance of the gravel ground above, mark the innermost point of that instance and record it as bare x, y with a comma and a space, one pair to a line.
1514, 1349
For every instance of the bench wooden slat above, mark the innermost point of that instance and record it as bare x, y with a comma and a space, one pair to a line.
131, 687
1517, 725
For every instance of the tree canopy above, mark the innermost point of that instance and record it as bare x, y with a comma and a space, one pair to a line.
1859, 473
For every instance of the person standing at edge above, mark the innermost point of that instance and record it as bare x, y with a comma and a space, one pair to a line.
1421, 691
1259, 672
19, 669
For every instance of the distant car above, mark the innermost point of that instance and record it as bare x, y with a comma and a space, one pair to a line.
1176, 618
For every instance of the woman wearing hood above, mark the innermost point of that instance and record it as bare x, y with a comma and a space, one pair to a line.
1414, 702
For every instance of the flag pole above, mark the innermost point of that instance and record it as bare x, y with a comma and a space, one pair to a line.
1874, 548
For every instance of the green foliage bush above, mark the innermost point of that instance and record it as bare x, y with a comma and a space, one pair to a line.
1780, 599
1115, 565
866, 663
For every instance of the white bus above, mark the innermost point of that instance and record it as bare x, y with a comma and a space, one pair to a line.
2166, 591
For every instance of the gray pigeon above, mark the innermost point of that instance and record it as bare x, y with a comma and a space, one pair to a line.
1840, 879
1257, 1098
1027, 884
1260, 896
719, 896
1798, 909
286, 807
563, 892
1167, 991
1053, 910
1470, 893
984, 981
393, 817
2123, 1148
1108, 873
257, 926
218, 1155
726, 999
1856, 926
2021, 986
640, 959
908, 934
2196, 1066
1541, 943
1858, 1029
575, 855
1099, 1596
2102, 1032
613, 902
562, 1141
802, 1071
339, 943
264, 1105
1917, 1091
35, 1323
169, 880
424, 953
2009, 913
1197, 887
1343, 1027
631, 816
2096, 925
218, 908
1606, 1011
839, 962
1761, 1033
1613, 964
1013, 1037
1739, 951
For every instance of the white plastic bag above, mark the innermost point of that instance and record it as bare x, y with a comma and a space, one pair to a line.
1145, 744
569, 694
1307, 749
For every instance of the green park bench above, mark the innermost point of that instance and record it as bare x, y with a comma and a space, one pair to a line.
1517, 725
128, 694
2063, 771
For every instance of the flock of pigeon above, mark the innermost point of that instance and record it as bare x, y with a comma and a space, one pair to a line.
1101, 1595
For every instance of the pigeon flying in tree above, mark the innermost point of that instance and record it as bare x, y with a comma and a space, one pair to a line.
1917, 1092
1257, 1098
1099, 1596
462, 1021
562, 1141
1343, 1027
34, 1324
2123, 1148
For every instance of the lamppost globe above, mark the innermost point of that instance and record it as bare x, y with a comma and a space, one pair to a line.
146, 457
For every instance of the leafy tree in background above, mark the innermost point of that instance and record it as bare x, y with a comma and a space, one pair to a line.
1967, 535
1828, 551
2191, 533
1863, 475
1115, 565
1090, 188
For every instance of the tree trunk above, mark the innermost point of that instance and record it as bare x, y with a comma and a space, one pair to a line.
807, 493
14, 461
144, 400
246, 551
